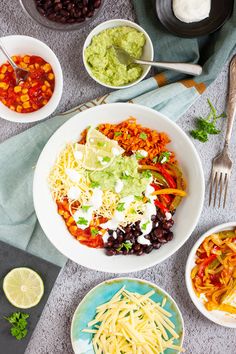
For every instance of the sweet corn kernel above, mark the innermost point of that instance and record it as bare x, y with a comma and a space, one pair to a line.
12, 108
35, 107
4, 85
19, 109
44, 88
26, 104
26, 59
34, 84
49, 92
10, 69
17, 89
47, 83
36, 65
4, 101
25, 90
31, 66
23, 65
2, 76
47, 67
14, 58
45, 102
24, 98
51, 76
4, 69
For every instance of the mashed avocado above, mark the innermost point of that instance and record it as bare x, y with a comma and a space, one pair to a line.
102, 60
125, 170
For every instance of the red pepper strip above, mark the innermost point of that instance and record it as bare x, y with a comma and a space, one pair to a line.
165, 197
161, 206
170, 180
155, 186
204, 264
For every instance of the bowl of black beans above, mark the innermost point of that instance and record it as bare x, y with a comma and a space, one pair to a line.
125, 241
62, 15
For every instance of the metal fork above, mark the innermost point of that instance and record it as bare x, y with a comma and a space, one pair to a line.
222, 164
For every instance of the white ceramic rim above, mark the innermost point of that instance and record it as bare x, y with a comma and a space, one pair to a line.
52, 104
127, 23
188, 268
137, 267
128, 278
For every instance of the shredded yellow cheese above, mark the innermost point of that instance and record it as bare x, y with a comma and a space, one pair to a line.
131, 323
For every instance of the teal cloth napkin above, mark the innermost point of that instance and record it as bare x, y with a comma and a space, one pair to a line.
170, 93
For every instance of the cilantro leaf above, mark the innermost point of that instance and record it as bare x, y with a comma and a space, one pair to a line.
147, 174
164, 157
117, 133
144, 226
200, 135
139, 156
127, 245
18, 320
94, 184
120, 207
138, 197
155, 159
94, 232
143, 136
101, 143
208, 127
106, 159
86, 207
82, 221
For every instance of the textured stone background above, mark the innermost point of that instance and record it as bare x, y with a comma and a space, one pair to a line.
52, 335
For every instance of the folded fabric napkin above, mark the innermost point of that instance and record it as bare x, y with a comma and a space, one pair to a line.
168, 92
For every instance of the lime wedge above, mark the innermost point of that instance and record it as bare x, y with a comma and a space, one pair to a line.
23, 287
97, 159
97, 140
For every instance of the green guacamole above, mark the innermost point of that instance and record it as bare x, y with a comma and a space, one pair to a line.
102, 60
123, 169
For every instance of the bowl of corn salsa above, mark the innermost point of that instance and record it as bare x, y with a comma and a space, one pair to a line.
38, 96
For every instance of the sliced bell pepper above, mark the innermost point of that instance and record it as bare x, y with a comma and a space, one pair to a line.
204, 264
161, 206
170, 191
160, 178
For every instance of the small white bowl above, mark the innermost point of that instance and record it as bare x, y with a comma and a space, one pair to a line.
21, 45
220, 317
148, 52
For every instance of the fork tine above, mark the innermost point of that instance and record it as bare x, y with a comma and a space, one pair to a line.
226, 182
216, 187
211, 186
221, 188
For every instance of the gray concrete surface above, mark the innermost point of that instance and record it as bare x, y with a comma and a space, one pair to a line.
52, 334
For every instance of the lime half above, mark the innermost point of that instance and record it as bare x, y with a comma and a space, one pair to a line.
23, 287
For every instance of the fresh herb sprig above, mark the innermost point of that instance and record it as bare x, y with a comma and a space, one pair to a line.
207, 125
18, 321
127, 245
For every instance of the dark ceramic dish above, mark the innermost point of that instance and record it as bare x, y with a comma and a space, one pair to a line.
220, 13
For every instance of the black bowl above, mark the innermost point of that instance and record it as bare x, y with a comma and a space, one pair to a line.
221, 10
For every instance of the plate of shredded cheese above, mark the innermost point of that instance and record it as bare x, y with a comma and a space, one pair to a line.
126, 315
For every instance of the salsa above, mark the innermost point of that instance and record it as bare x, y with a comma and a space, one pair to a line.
31, 94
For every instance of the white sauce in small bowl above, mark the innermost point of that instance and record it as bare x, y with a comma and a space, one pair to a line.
191, 10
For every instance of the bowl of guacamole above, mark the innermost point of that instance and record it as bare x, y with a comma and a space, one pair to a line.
100, 58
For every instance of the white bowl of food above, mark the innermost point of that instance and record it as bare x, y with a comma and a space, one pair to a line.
219, 303
100, 58
37, 97
110, 202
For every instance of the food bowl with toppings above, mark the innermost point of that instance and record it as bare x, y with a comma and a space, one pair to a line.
125, 187
39, 95
211, 274
147, 320
99, 55
63, 15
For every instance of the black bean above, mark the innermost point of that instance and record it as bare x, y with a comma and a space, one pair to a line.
148, 249
169, 236
120, 238
110, 239
139, 253
125, 252
160, 216
97, 4
109, 244
116, 245
128, 229
156, 245
158, 232
110, 252
137, 247
162, 240
168, 224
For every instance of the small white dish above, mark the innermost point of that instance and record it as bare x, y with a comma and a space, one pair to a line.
21, 45
220, 317
186, 216
148, 51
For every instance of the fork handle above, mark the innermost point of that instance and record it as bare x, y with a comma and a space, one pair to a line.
231, 106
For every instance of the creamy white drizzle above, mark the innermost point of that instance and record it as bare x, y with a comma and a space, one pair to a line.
168, 216
143, 241
74, 193
74, 175
115, 151
78, 155
119, 186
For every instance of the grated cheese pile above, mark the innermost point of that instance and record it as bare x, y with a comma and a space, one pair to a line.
132, 323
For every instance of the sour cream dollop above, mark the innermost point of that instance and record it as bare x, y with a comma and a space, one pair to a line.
191, 10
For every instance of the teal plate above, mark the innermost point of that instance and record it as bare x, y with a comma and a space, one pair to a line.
85, 312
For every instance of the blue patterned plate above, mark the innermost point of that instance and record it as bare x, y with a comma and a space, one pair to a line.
85, 312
